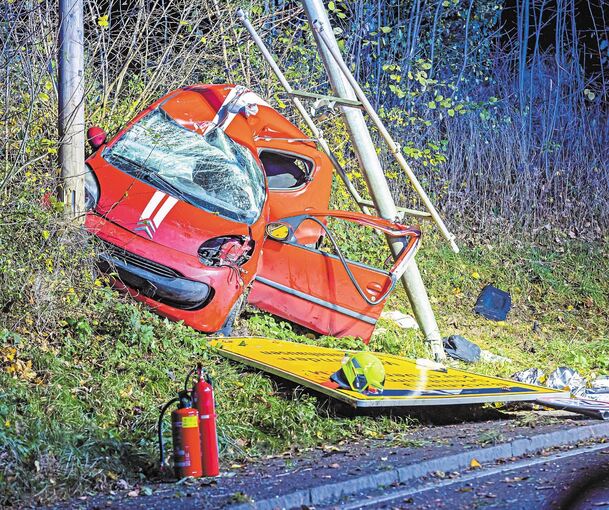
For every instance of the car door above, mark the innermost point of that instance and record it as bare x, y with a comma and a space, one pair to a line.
324, 291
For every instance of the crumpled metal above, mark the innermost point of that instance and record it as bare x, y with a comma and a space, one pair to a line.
599, 389
601, 383
567, 378
530, 376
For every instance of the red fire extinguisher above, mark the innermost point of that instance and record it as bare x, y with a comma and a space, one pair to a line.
203, 401
186, 437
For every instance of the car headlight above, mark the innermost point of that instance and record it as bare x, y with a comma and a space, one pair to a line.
226, 251
91, 189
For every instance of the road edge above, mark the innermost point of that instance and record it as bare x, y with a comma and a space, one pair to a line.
331, 492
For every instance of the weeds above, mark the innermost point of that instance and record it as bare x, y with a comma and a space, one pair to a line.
80, 400
83, 371
490, 437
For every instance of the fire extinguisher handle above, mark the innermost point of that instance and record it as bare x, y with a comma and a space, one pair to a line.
160, 430
187, 380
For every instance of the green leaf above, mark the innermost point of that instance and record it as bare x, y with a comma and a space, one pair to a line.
385, 30
431, 105
280, 103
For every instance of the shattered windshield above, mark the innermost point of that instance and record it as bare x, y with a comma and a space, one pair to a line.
210, 171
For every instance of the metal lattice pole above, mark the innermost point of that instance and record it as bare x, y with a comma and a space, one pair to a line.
373, 171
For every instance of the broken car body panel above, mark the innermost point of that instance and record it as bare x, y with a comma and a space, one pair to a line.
324, 291
155, 212
185, 192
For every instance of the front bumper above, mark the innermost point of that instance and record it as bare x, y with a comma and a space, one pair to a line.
171, 298
154, 280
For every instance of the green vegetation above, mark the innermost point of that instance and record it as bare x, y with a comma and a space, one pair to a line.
80, 401
83, 370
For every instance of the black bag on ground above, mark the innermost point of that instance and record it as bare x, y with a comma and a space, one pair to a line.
459, 347
493, 303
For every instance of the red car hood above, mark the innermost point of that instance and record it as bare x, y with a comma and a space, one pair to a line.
154, 214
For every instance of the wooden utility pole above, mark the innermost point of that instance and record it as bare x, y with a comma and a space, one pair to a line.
71, 106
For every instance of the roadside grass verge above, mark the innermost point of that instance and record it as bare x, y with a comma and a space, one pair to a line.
560, 296
78, 408
81, 414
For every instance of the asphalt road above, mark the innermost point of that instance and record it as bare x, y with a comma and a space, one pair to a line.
325, 473
574, 479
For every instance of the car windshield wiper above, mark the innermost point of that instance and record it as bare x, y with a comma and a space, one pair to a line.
148, 175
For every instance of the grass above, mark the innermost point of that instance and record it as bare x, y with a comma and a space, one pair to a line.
560, 295
78, 413
83, 415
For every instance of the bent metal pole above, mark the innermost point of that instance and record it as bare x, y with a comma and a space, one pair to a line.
315, 131
364, 205
393, 146
373, 171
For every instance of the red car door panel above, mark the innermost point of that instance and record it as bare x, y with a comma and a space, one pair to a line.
314, 289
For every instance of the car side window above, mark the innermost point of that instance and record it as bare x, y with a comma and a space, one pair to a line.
358, 243
285, 171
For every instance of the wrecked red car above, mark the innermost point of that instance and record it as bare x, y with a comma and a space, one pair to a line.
209, 197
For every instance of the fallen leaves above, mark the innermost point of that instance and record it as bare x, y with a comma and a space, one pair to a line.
18, 368
140, 491
515, 479
474, 464
102, 21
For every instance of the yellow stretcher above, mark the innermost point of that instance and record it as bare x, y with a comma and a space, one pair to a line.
408, 382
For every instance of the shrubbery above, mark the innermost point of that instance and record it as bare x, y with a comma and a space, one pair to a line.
83, 371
